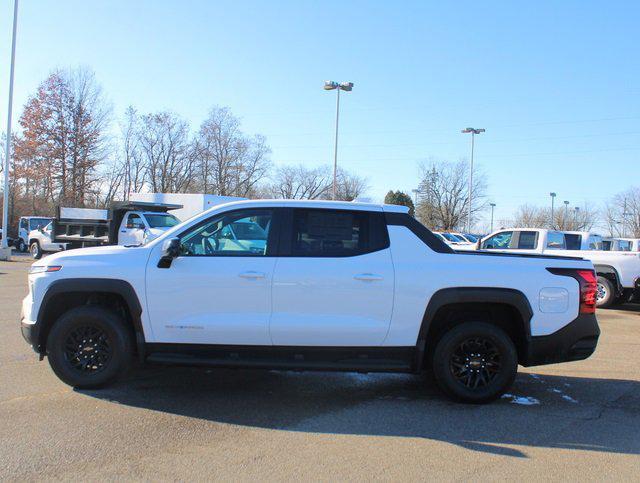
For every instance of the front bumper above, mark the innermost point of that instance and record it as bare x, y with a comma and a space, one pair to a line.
574, 342
30, 333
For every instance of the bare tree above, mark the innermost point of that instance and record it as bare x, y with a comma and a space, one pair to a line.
349, 185
443, 194
529, 216
622, 213
228, 162
300, 183
166, 152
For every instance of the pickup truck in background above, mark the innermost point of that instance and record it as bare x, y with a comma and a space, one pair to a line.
26, 224
621, 244
310, 285
124, 223
618, 272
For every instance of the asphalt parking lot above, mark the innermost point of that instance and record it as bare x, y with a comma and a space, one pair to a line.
576, 421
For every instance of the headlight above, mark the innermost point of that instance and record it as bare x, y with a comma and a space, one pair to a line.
44, 268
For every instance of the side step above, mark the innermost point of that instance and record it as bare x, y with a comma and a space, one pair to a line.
361, 359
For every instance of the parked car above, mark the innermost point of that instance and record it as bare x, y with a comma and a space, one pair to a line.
618, 272
450, 238
331, 286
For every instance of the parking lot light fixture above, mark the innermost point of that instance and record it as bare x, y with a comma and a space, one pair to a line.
566, 213
553, 197
341, 86
473, 132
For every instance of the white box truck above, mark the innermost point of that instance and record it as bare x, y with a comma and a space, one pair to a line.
192, 203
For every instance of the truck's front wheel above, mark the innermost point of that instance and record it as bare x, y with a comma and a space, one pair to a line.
475, 362
89, 347
36, 250
605, 296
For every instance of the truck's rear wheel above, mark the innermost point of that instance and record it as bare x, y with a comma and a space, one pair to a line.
475, 362
605, 294
89, 347
20, 245
36, 250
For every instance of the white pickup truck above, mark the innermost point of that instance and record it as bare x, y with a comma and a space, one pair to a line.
618, 272
309, 285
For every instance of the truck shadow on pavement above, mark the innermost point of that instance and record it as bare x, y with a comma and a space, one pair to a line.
540, 411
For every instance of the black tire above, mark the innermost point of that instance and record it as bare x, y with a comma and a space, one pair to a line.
104, 350
475, 362
36, 250
605, 296
21, 246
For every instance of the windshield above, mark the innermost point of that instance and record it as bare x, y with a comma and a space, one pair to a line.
471, 238
451, 237
34, 223
161, 220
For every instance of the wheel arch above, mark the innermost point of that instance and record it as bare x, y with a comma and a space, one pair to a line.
65, 294
610, 273
460, 300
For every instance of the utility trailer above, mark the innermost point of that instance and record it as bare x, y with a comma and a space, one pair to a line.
124, 223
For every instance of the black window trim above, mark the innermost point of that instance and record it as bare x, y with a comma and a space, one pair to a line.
286, 236
419, 230
273, 237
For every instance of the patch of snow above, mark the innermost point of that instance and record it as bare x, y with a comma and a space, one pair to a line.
569, 398
522, 400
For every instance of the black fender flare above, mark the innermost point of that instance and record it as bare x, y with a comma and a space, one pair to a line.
608, 269
102, 285
461, 295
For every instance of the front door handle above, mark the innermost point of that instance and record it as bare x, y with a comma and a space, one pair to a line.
368, 277
252, 275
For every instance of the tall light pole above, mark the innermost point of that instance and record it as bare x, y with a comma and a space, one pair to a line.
493, 205
342, 86
7, 152
473, 132
566, 213
575, 217
553, 197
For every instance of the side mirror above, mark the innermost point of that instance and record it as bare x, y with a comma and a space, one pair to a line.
170, 250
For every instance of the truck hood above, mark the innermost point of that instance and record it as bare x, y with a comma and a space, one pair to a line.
92, 254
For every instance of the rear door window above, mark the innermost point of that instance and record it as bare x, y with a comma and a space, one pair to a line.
337, 233
528, 240
573, 241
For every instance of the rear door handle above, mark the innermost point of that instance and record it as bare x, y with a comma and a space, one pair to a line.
251, 274
367, 277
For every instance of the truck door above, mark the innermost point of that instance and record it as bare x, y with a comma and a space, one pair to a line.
335, 287
216, 292
131, 230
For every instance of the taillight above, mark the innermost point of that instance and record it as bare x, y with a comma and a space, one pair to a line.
588, 283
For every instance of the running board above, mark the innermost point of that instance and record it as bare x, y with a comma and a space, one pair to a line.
365, 359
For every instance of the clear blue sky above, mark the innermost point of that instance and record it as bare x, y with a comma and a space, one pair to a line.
556, 84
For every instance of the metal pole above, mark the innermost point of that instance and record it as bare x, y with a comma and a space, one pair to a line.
473, 134
552, 200
7, 152
335, 151
492, 207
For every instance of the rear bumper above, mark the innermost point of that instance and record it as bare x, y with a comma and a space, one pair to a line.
574, 342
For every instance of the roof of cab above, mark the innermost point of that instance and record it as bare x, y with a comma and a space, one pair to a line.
326, 204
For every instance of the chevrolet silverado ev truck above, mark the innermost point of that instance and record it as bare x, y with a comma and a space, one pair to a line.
309, 285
